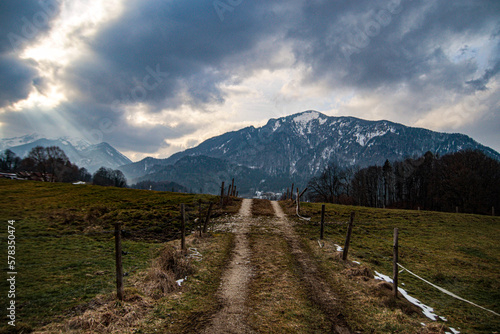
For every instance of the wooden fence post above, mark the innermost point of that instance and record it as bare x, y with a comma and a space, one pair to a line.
322, 230
298, 201
222, 194
208, 217
183, 227
348, 237
119, 267
229, 190
492, 210
232, 187
200, 218
291, 192
395, 270
456, 209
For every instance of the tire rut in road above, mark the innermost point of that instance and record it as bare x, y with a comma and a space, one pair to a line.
319, 291
232, 318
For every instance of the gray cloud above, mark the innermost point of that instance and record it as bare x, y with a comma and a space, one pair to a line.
16, 79
22, 22
384, 43
169, 54
185, 40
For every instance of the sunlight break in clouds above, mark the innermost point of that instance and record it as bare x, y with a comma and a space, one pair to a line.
77, 21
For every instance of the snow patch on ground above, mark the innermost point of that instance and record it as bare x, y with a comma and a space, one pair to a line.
180, 281
427, 310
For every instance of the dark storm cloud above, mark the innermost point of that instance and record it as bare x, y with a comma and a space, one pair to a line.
380, 43
164, 54
16, 79
171, 53
21, 23
184, 43
480, 84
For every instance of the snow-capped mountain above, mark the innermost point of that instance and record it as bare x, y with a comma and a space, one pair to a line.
301, 145
18, 141
79, 151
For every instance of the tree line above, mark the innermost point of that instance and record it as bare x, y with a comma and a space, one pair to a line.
52, 165
469, 180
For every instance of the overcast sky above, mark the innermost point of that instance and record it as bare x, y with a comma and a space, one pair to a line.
152, 77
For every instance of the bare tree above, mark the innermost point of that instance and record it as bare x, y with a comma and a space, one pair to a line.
109, 177
328, 186
38, 155
9, 161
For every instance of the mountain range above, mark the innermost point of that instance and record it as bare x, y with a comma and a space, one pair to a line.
79, 151
294, 149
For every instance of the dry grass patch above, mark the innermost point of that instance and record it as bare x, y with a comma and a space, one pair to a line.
368, 304
231, 206
278, 300
105, 314
170, 266
262, 207
190, 309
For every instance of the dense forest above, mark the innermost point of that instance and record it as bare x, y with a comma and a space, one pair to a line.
468, 181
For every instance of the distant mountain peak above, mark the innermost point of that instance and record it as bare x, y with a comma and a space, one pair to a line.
79, 151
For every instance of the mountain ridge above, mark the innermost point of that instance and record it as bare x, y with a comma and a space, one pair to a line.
299, 146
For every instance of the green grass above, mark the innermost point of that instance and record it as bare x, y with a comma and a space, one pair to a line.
65, 243
459, 252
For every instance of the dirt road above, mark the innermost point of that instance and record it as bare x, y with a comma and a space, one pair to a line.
234, 287
236, 312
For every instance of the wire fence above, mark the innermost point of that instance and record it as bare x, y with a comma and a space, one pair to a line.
81, 264
385, 242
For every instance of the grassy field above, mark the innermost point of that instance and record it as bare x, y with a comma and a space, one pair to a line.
65, 262
459, 252
65, 243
